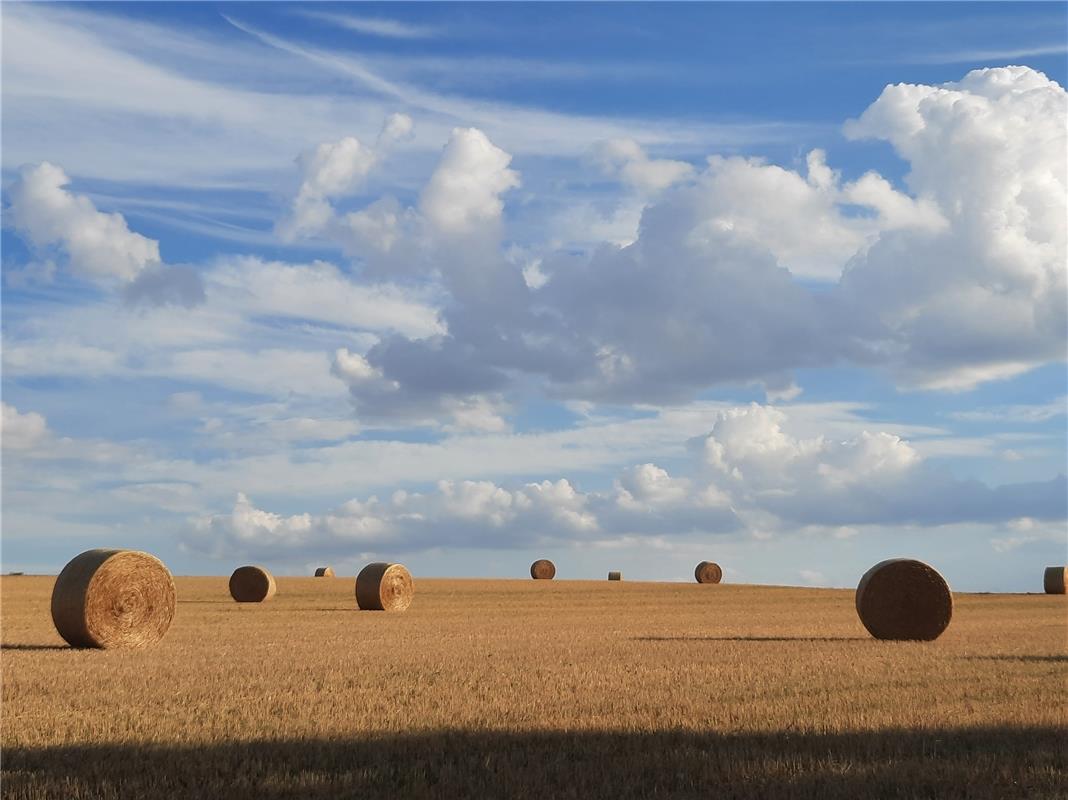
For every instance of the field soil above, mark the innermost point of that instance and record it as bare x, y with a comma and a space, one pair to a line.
537, 689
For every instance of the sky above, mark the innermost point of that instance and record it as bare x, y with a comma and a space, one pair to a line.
625, 286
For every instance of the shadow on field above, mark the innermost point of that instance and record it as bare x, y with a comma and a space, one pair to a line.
228, 602
9, 646
1022, 657
1001, 762
752, 639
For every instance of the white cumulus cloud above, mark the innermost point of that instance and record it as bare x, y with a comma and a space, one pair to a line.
333, 170
626, 160
751, 476
465, 190
97, 245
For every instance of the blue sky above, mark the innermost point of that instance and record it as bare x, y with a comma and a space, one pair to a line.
628, 286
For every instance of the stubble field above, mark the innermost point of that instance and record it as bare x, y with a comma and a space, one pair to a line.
501, 689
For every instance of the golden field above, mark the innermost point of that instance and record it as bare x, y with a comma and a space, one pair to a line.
520, 688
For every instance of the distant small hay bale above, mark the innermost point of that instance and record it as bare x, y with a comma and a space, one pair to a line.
543, 570
113, 599
1055, 580
324, 572
384, 587
708, 572
615, 576
252, 585
904, 599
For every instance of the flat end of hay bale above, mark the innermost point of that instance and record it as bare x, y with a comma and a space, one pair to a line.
543, 570
252, 584
708, 572
324, 572
615, 576
113, 599
1055, 580
904, 599
384, 587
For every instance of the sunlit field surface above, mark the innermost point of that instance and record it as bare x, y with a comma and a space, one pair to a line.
502, 689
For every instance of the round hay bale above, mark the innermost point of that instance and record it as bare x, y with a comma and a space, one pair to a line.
252, 585
708, 572
1055, 580
543, 570
904, 599
113, 599
615, 576
324, 572
384, 587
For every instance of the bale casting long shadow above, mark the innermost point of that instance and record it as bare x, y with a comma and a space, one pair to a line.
752, 639
992, 762
1055, 659
16, 646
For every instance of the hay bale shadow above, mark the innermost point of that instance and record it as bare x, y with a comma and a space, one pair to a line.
752, 639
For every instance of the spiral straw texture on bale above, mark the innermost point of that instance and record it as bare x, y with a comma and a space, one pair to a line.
384, 587
904, 599
543, 570
708, 572
252, 585
324, 572
1055, 580
113, 599
615, 576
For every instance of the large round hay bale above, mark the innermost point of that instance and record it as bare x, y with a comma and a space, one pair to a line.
615, 576
543, 570
384, 587
708, 572
1055, 580
252, 585
904, 599
113, 599
324, 572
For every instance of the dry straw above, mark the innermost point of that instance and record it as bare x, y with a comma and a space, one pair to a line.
543, 570
708, 572
384, 587
1055, 580
113, 599
252, 585
324, 572
615, 576
904, 599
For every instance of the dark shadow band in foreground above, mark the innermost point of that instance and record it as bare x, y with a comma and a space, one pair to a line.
1003, 762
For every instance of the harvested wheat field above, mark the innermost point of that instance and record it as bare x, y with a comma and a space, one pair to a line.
525, 688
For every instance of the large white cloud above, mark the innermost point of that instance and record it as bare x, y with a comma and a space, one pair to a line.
96, 245
957, 281
985, 297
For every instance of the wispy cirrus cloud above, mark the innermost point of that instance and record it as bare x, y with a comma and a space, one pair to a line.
156, 106
981, 55
528, 130
374, 26
1019, 412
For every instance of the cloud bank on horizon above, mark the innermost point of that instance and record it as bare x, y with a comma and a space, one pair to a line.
430, 342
